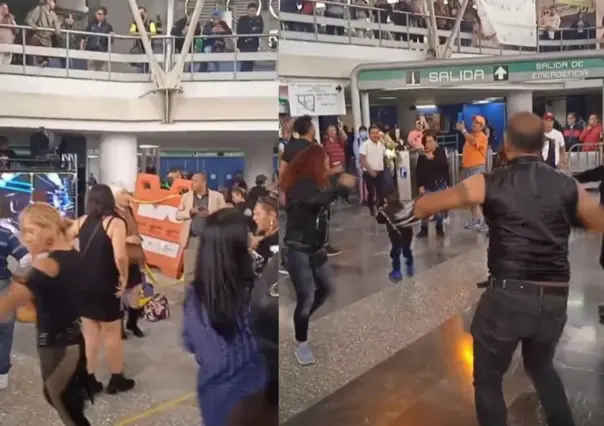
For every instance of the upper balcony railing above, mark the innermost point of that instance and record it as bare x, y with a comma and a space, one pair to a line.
211, 58
370, 26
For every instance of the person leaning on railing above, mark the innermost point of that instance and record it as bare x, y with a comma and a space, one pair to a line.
7, 35
100, 41
40, 19
138, 48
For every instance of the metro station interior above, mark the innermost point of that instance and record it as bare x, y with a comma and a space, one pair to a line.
386, 354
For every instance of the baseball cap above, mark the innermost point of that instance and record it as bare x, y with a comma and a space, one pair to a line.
548, 116
216, 14
479, 119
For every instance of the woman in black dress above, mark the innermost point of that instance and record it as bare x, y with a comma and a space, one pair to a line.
102, 242
53, 285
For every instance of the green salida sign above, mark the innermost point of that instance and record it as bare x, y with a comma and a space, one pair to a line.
455, 75
557, 70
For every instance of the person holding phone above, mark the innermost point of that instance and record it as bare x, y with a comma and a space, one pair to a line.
195, 206
335, 142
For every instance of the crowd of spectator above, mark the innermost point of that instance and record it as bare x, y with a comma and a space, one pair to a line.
52, 29
578, 25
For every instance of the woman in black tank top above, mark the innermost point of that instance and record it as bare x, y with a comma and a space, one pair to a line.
52, 285
102, 242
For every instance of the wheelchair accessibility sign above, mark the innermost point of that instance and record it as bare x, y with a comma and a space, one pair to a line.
403, 173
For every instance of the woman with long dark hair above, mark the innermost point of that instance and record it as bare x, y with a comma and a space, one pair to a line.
102, 243
52, 285
232, 376
309, 191
265, 296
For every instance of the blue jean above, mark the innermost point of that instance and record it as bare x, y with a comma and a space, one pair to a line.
7, 330
395, 255
311, 278
438, 216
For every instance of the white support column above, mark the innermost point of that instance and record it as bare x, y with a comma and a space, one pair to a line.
557, 106
365, 109
118, 159
258, 161
167, 31
405, 116
355, 104
519, 102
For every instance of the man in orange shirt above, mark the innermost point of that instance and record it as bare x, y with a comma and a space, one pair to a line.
474, 160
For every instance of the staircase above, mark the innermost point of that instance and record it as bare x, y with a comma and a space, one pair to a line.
239, 8
206, 11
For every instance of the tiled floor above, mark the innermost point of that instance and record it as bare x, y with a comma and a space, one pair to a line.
400, 356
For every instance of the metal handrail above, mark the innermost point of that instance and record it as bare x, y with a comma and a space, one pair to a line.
296, 26
119, 64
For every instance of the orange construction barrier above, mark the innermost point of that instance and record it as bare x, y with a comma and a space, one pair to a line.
155, 210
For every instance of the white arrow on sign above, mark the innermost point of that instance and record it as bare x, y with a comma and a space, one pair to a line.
500, 73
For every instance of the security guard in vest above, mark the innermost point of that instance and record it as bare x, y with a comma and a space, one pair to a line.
529, 272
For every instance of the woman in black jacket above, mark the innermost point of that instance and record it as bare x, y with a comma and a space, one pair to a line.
308, 195
432, 174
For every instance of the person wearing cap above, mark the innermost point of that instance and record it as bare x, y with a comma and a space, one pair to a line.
214, 29
257, 191
474, 160
554, 151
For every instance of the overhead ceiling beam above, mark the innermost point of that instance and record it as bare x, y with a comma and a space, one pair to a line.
447, 51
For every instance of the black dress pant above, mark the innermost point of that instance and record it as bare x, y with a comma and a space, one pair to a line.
503, 319
375, 189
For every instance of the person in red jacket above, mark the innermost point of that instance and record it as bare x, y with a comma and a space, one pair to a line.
334, 143
592, 134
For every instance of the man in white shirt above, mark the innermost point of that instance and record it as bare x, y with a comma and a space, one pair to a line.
553, 151
371, 156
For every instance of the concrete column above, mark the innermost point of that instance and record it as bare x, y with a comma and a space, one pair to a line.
406, 114
365, 109
73, 5
258, 161
519, 102
557, 106
118, 159
355, 101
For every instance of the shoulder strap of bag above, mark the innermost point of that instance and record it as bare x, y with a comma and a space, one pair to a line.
96, 230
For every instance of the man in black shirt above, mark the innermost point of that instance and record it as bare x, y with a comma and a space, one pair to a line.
306, 131
257, 191
97, 43
250, 24
527, 290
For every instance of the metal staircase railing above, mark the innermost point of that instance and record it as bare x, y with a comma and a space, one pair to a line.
206, 11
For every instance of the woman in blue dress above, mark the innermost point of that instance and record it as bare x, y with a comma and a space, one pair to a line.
232, 376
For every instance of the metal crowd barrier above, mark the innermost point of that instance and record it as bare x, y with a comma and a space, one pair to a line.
454, 158
364, 25
124, 61
585, 156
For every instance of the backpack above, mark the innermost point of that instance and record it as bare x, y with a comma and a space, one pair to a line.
156, 309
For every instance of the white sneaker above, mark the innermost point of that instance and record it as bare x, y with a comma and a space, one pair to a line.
3, 381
